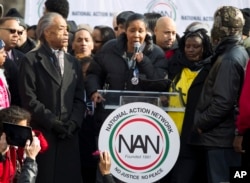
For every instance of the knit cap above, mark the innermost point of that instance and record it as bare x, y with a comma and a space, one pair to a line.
228, 21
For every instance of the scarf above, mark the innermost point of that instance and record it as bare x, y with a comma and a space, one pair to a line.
193, 66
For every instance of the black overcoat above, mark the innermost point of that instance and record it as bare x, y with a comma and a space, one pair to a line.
49, 97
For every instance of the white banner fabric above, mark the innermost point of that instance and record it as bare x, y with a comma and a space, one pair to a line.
100, 12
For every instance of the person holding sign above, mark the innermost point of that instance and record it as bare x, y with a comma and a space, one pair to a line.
104, 166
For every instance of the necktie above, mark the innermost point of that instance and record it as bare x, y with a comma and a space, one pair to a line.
60, 59
9, 56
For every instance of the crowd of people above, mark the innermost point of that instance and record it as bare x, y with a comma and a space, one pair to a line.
50, 74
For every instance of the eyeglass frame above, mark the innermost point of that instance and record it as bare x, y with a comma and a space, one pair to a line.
13, 31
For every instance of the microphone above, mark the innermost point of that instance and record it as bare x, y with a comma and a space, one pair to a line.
137, 46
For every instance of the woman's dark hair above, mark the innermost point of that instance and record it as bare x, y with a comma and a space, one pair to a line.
201, 33
123, 16
136, 16
58, 6
107, 33
33, 27
152, 18
74, 33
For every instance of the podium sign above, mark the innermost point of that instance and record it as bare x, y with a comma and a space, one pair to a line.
141, 137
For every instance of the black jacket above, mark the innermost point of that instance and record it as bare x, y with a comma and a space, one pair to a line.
110, 67
27, 46
29, 171
215, 112
11, 71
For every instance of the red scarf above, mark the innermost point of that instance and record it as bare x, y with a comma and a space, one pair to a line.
8, 167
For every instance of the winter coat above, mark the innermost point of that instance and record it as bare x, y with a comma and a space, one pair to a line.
215, 112
29, 171
50, 97
110, 67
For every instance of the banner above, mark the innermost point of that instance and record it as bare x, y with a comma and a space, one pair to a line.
100, 12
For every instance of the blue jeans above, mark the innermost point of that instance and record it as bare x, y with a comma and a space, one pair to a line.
218, 163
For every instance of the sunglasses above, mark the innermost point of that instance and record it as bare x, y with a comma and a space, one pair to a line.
13, 31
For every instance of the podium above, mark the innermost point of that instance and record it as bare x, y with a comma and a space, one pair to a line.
168, 101
141, 137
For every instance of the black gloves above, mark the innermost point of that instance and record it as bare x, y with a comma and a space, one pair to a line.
71, 128
64, 130
59, 129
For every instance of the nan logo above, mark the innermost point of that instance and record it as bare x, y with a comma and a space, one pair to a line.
164, 7
143, 142
40, 9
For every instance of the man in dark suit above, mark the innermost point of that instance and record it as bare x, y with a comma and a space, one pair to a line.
10, 33
52, 90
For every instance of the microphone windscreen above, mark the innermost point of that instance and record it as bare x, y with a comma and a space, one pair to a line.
137, 46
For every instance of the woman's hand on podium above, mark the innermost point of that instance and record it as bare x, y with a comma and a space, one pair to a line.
97, 98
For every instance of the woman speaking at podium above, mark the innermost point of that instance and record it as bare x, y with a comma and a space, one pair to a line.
123, 64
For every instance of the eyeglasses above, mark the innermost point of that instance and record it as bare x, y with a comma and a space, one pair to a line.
13, 31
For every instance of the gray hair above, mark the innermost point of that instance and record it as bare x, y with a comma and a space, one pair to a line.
45, 22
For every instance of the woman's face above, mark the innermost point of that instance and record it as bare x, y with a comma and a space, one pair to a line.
136, 32
193, 48
83, 43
